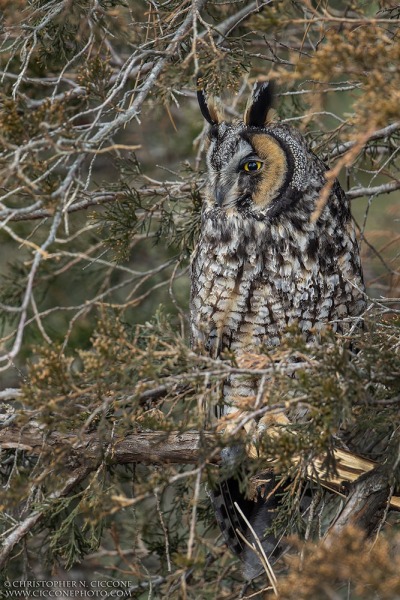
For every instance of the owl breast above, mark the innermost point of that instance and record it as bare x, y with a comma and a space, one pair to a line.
251, 280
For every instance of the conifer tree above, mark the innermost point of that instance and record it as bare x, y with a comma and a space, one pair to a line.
107, 438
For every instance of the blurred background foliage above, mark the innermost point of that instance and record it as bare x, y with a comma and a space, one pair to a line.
102, 171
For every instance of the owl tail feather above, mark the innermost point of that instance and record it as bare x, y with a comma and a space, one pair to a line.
258, 512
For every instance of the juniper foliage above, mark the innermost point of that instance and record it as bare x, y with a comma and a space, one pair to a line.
101, 166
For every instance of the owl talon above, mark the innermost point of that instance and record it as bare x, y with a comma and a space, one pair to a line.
270, 424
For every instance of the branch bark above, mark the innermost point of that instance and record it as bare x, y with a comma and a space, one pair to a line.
89, 448
370, 495
160, 447
366, 503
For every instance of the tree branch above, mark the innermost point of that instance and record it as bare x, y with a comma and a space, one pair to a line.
369, 497
88, 450
376, 135
25, 526
366, 503
385, 188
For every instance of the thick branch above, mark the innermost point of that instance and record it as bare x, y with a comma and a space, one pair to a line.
370, 496
162, 447
89, 449
366, 503
29, 214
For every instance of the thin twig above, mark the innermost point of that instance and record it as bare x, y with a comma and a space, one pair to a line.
261, 553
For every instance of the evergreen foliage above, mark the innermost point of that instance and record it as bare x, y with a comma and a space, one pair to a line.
101, 150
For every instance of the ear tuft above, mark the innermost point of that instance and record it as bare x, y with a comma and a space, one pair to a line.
259, 104
210, 107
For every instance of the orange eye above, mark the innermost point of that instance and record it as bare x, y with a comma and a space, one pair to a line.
252, 165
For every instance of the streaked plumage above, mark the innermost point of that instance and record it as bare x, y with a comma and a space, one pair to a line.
263, 262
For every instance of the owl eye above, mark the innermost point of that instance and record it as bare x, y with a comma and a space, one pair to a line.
252, 165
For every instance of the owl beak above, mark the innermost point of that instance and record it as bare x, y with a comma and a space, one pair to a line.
221, 194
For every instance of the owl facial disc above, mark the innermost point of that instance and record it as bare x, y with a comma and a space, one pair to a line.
255, 167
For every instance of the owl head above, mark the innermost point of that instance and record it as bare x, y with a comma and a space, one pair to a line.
257, 168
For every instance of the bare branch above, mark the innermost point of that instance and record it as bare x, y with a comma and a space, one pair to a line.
26, 526
385, 188
376, 135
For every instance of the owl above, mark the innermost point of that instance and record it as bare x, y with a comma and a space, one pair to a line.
268, 258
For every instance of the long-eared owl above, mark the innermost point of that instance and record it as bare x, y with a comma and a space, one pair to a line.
265, 259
